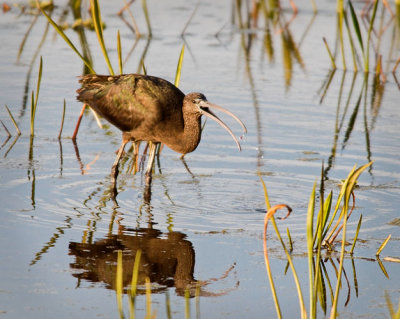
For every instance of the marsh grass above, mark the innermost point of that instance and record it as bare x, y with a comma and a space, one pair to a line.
35, 97
98, 26
62, 121
65, 37
13, 120
365, 46
383, 245
319, 230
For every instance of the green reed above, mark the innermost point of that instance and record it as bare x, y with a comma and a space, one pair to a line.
356, 235
317, 228
98, 26
364, 46
119, 50
383, 245
62, 121
34, 98
270, 216
13, 120
65, 37
179, 67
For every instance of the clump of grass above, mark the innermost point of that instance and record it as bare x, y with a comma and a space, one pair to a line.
317, 228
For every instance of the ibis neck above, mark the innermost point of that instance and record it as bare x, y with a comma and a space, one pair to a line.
189, 136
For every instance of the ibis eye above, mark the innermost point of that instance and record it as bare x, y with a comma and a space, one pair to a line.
194, 101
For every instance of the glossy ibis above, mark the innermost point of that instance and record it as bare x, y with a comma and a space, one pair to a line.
148, 108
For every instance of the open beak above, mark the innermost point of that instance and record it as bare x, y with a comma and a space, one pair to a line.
205, 110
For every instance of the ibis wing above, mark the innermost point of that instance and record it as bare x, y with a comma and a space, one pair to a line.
131, 100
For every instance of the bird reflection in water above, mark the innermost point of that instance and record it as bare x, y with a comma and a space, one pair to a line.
167, 259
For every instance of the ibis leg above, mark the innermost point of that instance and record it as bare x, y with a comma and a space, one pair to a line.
150, 163
114, 169
78, 123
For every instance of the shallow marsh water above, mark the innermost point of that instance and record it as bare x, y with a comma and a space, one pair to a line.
58, 195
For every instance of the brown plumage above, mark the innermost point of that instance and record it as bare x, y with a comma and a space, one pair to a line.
147, 108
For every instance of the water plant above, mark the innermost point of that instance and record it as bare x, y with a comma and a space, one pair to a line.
62, 121
321, 235
34, 98
13, 120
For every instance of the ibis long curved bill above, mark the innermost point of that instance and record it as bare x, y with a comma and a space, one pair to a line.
205, 110
215, 106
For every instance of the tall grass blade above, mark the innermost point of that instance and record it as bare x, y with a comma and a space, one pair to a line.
179, 66
383, 245
119, 284
34, 99
62, 121
64, 36
340, 17
119, 52
98, 26
269, 215
366, 65
356, 235
347, 189
356, 26
338, 202
353, 51
13, 120
266, 259
310, 236
340, 271
33, 110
